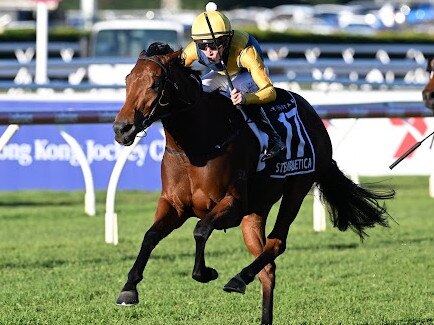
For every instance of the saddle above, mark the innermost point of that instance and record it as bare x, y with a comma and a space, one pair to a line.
299, 155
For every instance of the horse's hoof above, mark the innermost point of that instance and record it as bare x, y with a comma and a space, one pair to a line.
128, 298
236, 284
206, 276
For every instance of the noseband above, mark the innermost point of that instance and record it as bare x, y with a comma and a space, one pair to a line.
159, 102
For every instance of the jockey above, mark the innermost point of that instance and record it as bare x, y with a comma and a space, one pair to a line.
242, 57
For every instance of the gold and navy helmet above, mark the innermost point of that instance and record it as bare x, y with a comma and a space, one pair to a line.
220, 24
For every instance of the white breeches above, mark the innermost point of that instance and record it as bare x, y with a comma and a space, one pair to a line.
242, 81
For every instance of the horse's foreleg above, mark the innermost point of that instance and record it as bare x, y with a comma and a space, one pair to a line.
253, 227
166, 220
226, 214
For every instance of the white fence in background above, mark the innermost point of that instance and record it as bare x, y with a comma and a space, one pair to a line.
320, 66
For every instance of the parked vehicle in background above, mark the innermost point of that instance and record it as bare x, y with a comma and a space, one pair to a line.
126, 39
421, 13
360, 27
286, 17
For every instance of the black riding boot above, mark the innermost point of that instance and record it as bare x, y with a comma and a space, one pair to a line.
275, 143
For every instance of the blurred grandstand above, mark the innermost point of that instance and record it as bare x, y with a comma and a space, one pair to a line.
358, 17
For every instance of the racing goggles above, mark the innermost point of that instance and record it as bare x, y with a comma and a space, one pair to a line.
203, 44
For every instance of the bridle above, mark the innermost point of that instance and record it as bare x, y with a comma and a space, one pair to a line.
160, 101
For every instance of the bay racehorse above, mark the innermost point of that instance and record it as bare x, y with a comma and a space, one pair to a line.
428, 91
209, 167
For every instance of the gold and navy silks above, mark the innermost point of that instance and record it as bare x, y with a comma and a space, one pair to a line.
244, 53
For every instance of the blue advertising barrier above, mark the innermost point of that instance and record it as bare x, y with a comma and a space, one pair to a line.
37, 156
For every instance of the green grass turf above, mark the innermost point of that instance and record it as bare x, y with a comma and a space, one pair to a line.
56, 269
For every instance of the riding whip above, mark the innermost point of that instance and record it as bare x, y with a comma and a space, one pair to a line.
231, 86
409, 151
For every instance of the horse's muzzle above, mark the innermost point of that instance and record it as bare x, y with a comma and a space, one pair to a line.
428, 98
124, 133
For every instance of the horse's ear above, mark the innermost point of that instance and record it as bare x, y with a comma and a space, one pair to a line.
430, 65
180, 56
159, 48
175, 55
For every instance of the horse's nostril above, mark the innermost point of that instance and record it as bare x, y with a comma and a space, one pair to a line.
126, 128
426, 94
121, 127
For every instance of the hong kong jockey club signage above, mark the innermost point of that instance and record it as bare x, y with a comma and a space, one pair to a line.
37, 157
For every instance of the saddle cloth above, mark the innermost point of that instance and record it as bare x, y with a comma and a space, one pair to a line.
299, 155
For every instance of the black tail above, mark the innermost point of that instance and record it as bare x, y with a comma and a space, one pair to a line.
350, 205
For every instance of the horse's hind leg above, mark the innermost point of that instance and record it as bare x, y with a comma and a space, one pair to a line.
295, 190
253, 227
165, 221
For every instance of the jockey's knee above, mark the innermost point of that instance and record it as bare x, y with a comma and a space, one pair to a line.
207, 88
